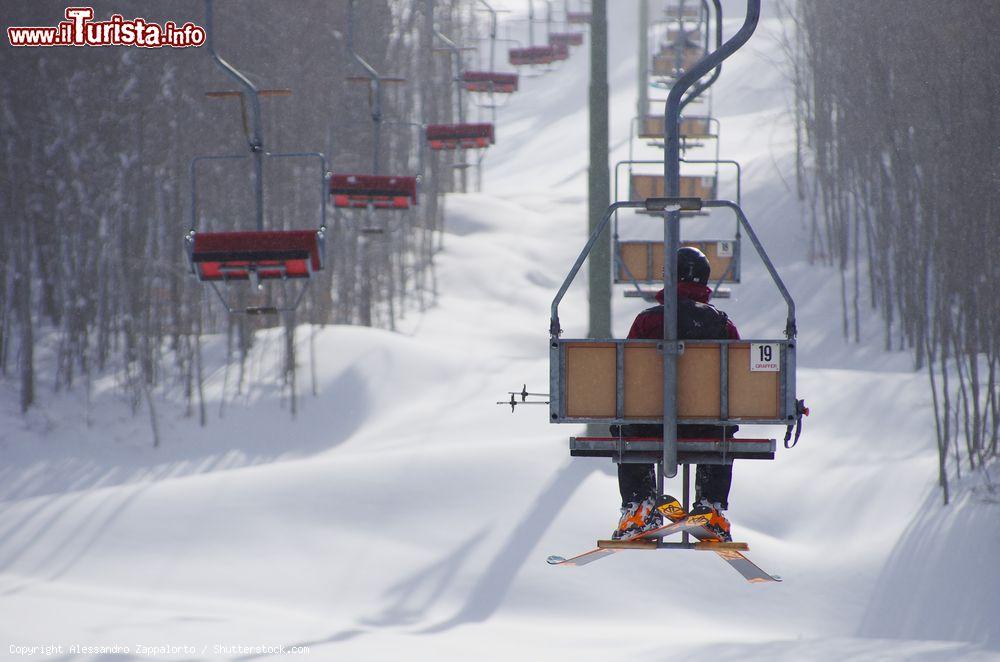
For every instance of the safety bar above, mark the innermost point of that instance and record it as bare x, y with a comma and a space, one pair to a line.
267, 155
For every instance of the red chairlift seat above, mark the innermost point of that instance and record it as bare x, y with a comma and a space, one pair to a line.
378, 191
578, 17
267, 254
490, 81
533, 55
455, 136
566, 38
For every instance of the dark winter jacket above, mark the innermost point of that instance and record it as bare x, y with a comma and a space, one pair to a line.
696, 320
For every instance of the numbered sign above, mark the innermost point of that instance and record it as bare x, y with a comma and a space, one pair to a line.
765, 357
724, 249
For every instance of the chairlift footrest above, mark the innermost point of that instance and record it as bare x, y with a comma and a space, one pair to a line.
689, 451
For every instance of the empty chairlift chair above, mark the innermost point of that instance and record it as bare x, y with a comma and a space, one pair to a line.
534, 55
490, 82
566, 38
692, 128
265, 254
665, 62
460, 136
376, 191
260, 255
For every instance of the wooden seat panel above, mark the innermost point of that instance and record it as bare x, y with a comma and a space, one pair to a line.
591, 374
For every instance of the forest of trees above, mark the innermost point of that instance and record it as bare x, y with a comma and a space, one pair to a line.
897, 101
96, 149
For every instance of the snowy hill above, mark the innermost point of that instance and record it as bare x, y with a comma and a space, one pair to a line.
403, 515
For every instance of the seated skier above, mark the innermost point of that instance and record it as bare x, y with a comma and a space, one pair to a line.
642, 508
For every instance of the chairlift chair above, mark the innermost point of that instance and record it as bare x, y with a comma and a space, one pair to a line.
490, 82
692, 128
387, 192
640, 262
670, 382
371, 191
719, 382
460, 136
534, 55
665, 63
265, 254
566, 38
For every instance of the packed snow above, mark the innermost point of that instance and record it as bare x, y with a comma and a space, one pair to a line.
403, 515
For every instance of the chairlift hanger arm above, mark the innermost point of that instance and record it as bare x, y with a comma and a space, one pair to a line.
255, 139
456, 53
369, 69
702, 86
671, 172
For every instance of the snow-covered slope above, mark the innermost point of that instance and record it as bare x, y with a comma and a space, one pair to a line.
402, 515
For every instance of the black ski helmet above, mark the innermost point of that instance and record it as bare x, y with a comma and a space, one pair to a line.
692, 266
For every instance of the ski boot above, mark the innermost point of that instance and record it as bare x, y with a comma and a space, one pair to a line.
715, 521
637, 518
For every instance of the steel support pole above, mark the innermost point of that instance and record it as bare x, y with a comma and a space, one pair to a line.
599, 174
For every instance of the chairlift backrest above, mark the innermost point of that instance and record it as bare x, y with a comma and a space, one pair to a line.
720, 382
643, 260
665, 62
654, 186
